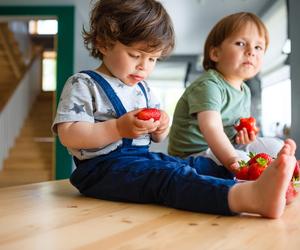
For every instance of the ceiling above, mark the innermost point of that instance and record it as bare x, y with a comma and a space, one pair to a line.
193, 19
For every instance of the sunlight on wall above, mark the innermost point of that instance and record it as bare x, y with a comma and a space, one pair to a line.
276, 108
49, 71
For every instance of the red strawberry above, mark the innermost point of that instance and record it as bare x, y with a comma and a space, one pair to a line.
296, 173
291, 193
243, 173
149, 113
261, 158
255, 170
248, 123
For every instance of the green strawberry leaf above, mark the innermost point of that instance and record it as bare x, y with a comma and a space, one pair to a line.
242, 163
252, 154
262, 161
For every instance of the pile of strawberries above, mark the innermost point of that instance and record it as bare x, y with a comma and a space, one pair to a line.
252, 169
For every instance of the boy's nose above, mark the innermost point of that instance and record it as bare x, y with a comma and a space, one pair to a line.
250, 51
141, 66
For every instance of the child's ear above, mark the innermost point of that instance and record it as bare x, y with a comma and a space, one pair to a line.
101, 47
214, 54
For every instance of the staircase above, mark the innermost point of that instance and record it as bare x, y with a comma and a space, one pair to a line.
31, 159
11, 64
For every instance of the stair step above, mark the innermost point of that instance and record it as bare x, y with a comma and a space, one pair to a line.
22, 162
28, 166
21, 177
31, 158
24, 145
30, 154
43, 142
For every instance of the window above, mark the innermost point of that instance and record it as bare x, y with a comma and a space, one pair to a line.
167, 81
49, 71
43, 27
276, 103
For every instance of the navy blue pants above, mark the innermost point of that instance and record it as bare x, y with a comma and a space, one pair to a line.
136, 175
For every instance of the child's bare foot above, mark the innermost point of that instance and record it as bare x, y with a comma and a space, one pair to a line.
266, 195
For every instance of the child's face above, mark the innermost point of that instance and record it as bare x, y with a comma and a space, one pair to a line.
130, 64
239, 57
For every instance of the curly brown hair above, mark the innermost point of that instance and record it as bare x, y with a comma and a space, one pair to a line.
129, 22
226, 27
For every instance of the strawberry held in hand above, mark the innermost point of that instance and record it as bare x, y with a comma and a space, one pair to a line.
248, 123
148, 113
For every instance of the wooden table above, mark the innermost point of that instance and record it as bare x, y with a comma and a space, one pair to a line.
53, 215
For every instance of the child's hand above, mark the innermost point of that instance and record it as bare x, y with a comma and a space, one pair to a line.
233, 165
243, 137
163, 123
129, 126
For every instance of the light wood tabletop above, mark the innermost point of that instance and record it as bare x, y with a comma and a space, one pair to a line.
53, 215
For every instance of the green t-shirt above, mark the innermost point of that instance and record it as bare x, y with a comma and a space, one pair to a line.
209, 92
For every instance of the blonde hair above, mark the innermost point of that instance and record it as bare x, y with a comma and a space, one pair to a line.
226, 27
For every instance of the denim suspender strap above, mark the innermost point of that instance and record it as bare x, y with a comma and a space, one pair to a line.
110, 93
112, 96
144, 92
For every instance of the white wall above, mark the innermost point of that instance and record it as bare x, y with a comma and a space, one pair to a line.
276, 20
294, 10
82, 8
192, 21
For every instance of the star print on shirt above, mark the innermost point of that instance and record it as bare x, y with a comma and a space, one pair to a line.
110, 112
120, 85
89, 82
75, 79
147, 87
77, 108
139, 93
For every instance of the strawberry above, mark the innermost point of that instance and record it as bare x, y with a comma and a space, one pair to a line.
291, 193
242, 174
255, 170
296, 173
148, 113
257, 164
248, 123
261, 158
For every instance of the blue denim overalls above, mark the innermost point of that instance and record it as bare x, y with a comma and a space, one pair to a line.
133, 174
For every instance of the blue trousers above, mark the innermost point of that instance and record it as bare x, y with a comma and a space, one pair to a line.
134, 174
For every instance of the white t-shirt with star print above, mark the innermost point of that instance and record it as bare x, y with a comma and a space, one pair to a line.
82, 99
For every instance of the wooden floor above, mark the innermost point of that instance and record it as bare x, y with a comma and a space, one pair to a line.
54, 216
30, 159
